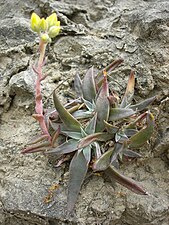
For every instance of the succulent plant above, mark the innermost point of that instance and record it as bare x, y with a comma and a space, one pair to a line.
97, 129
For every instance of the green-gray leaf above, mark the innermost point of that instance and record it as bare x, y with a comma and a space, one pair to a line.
69, 121
120, 113
66, 147
88, 86
77, 172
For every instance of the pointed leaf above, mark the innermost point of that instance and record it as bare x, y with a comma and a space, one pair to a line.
97, 149
94, 137
110, 128
66, 147
129, 91
87, 153
78, 169
125, 181
38, 139
103, 162
111, 66
43, 146
142, 105
120, 113
102, 106
130, 132
88, 86
82, 114
74, 135
78, 85
69, 121
144, 134
90, 128
89, 105
118, 148
131, 154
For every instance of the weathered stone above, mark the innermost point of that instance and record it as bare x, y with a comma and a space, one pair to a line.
22, 86
93, 33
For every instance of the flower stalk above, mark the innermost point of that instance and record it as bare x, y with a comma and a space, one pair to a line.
38, 95
43, 28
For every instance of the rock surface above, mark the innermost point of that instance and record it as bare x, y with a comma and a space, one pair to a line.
94, 33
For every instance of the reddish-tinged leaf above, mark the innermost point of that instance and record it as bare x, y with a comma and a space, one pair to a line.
69, 121
143, 105
120, 113
55, 136
67, 147
128, 96
38, 139
144, 134
94, 137
103, 162
77, 172
125, 181
88, 86
111, 66
37, 147
133, 124
102, 106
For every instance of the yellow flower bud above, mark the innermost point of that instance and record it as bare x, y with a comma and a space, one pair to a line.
43, 25
51, 20
35, 20
45, 38
54, 31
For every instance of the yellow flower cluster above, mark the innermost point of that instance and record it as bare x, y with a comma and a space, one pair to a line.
46, 28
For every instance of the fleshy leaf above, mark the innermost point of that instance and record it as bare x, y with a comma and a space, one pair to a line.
37, 147
38, 139
77, 172
118, 148
110, 128
131, 154
125, 181
88, 86
90, 128
69, 121
120, 113
103, 162
102, 106
66, 147
82, 114
89, 105
111, 66
97, 149
144, 134
78, 85
74, 135
142, 105
87, 153
130, 132
94, 137
128, 96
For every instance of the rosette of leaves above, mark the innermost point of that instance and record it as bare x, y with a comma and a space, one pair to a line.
99, 129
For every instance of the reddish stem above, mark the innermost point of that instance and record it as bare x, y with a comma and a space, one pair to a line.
38, 96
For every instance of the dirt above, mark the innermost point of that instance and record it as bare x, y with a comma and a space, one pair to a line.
32, 190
